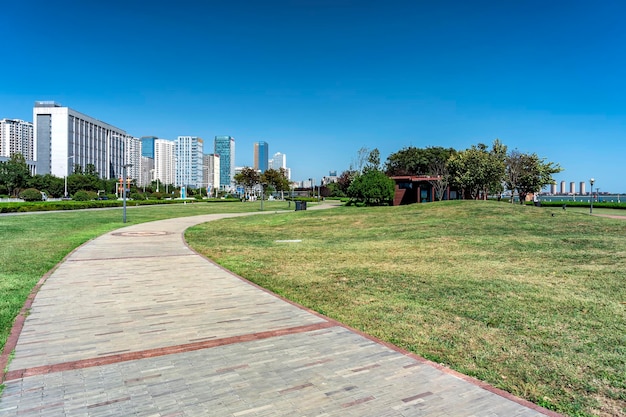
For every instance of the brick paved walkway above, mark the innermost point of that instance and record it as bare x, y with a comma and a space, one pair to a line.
136, 323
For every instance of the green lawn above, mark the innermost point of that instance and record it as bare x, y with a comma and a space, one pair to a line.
531, 300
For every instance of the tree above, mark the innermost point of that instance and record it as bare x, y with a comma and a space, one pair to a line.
276, 179
439, 169
248, 177
478, 171
14, 174
360, 161
417, 161
527, 173
52, 185
373, 160
345, 179
373, 188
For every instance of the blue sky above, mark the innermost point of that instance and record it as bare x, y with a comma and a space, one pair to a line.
320, 79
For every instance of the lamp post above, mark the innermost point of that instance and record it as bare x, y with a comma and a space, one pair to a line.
124, 167
66, 168
262, 193
591, 181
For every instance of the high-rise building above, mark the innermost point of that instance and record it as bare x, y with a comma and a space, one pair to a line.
278, 161
64, 137
261, 158
189, 161
572, 187
212, 171
132, 157
164, 162
16, 136
147, 146
563, 187
582, 188
225, 148
146, 175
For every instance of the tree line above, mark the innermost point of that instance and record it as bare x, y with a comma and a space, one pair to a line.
15, 178
477, 172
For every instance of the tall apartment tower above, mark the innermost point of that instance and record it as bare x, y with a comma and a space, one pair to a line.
64, 137
164, 163
225, 148
278, 161
132, 157
212, 171
261, 156
189, 161
582, 188
16, 136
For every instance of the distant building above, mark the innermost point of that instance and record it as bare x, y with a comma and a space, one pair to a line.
189, 161
415, 189
572, 187
563, 187
332, 177
164, 163
132, 157
553, 189
225, 148
16, 136
147, 146
212, 172
261, 156
582, 188
147, 171
64, 137
278, 161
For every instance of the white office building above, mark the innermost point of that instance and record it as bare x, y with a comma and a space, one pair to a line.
278, 161
164, 162
189, 162
212, 172
16, 136
64, 137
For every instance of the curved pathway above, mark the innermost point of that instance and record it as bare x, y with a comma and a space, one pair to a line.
136, 323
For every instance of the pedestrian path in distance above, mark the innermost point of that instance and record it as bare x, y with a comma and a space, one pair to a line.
135, 323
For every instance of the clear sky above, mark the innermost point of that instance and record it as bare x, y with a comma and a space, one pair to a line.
320, 79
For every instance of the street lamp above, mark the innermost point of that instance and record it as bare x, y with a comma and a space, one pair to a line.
124, 190
591, 181
263, 185
66, 168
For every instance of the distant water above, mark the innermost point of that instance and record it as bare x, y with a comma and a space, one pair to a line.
609, 198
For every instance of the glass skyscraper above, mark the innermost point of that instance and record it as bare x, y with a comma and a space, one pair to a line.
261, 156
225, 148
147, 146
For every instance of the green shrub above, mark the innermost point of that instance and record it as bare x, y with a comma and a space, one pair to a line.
30, 194
138, 196
83, 195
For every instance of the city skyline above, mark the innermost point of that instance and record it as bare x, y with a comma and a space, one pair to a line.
320, 80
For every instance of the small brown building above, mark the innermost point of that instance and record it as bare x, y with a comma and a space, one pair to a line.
415, 189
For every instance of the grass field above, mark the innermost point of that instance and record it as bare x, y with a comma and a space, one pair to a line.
34, 243
531, 300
